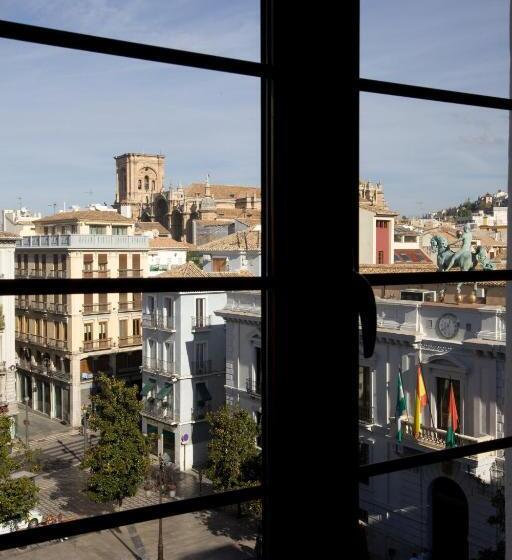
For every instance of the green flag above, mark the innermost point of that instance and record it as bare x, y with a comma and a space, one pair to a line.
401, 406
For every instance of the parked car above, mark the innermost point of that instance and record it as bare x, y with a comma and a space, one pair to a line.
35, 517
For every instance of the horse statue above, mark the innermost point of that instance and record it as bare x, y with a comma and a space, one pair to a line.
465, 260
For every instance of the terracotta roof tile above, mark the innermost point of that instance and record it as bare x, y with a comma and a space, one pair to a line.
187, 270
222, 191
169, 243
247, 240
85, 216
151, 226
411, 256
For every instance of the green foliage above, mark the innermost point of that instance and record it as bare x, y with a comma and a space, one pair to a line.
18, 496
231, 448
118, 463
195, 257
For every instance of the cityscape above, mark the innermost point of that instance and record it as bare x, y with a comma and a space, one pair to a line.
436, 379
175, 359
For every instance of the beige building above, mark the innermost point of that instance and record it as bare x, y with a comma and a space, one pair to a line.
62, 341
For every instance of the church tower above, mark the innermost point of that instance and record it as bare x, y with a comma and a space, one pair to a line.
139, 177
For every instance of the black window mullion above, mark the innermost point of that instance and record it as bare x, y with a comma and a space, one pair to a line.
139, 51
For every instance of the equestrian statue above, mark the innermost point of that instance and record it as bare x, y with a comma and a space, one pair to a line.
464, 258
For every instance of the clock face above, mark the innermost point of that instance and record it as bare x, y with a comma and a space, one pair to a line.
448, 326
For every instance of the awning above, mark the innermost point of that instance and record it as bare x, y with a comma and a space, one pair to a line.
202, 392
165, 391
147, 387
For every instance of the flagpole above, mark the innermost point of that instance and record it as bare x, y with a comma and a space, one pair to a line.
402, 382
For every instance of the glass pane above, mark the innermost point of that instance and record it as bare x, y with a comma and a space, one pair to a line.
165, 168
439, 511
458, 45
432, 190
178, 392
213, 27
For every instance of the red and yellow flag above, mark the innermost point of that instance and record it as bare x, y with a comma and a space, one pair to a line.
421, 401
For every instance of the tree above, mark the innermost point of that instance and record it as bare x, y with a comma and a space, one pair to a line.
17, 496
232, 449
118, 463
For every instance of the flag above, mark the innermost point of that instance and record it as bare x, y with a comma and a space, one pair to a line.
421, 401
401, 406
453, 419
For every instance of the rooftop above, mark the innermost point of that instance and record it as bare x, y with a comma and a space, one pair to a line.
152, 226
169, 243
222, 191
248, 240
86, 216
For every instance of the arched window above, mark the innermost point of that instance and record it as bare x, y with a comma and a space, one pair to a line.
146, 183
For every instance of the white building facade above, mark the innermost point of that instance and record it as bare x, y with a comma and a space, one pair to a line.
464, 344
183, 371
242, 314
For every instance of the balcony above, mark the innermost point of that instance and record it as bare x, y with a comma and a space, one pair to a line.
199, 413
91, 242
58, 344
157, 321
201, 322
94, 345
130, 272
95, 308
162, 367
21, 273
253, 387
57, 273
58, 308
135, 340
155, 409
40, 306
366, 413
95, 273
21, 336
41, 369
129, 306
435, 438
38, 339
198, 368
22, 304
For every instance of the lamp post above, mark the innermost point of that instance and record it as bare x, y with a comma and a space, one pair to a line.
160, 534
26, 421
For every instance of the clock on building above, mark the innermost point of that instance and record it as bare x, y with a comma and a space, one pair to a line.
448, 325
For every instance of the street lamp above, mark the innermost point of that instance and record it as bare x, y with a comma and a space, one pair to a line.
160, 534
26, 421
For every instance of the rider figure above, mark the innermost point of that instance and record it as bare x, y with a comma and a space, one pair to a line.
465, 238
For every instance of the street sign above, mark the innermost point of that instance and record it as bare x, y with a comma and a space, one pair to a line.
184, 439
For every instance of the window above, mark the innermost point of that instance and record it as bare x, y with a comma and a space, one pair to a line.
119, 230
443, 401
381, 257
365, 396
97, 230
88, 332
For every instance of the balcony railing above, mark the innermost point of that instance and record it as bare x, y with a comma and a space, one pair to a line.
58, 344
41, 306
21, 336
22, 303
435, 438
41, 369
157, 321
130, 272
129, 306
201, 367
201, 322
99, 344
95, 308
199, 413
365, 413
57, 273
135, 340
58, 308
253, 386
156, 409
162, 367
38, 339
96, 273
84, 241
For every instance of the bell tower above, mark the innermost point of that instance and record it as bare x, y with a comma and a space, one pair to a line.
139, 177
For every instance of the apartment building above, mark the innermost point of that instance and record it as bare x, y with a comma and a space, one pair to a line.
62, 341
7, 355
458, 344
242, 314
184, 360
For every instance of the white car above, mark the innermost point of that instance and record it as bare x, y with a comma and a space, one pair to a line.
35, 517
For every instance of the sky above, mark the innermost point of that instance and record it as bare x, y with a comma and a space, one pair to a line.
433, 155
64, 114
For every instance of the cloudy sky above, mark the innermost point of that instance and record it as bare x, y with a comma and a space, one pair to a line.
65, 114
431, 155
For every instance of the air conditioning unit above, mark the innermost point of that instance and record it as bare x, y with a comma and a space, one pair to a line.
412, 294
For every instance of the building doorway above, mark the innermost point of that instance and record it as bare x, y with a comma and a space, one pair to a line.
449, 521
